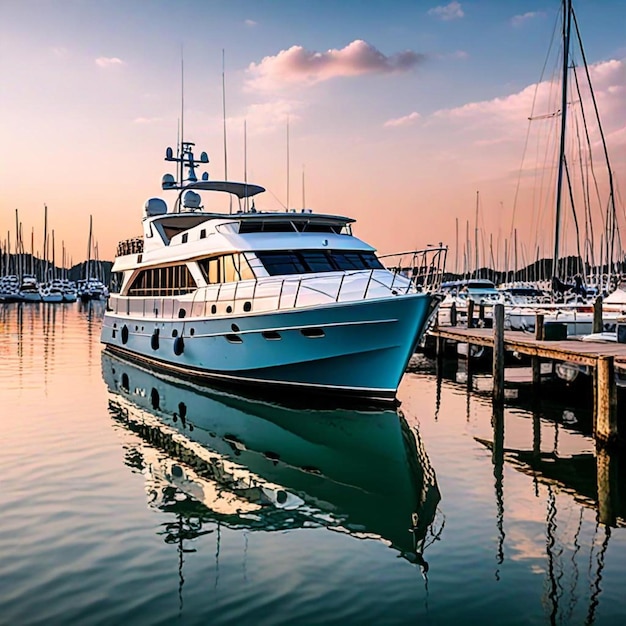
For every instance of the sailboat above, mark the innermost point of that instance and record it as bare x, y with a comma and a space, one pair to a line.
91, 286
577, 183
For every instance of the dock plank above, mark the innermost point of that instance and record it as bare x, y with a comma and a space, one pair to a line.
571, 350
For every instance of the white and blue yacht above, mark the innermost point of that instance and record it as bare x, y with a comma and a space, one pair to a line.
287, 299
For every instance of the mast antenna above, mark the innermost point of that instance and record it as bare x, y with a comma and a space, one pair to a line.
224, 124
245, 159
287, 162
182, 115
567, 12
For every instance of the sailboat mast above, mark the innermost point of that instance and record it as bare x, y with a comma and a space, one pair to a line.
476, 261
88, 274
567, 13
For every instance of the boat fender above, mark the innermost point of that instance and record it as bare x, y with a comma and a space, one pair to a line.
124, 334
154, 340
179, 346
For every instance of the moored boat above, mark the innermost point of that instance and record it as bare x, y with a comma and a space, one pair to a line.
288, 299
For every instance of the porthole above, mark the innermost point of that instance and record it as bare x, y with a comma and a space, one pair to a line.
235, 328
174, 333
155, 401
270, 334
234, 339
124, 334
181, 313
136, 329
312, 333
192, 331
213, 309
247, 306
125, 382
229, 309
179, 346
154, 339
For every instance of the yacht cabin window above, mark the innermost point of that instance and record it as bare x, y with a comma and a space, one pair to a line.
313, 261
174, 280
228, 268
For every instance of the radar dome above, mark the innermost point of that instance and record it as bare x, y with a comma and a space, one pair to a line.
168, 182
192, 200
155, 206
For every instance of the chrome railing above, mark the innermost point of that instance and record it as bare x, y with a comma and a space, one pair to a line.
424, 268
266, 294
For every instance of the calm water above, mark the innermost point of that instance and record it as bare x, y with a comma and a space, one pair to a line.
134, 498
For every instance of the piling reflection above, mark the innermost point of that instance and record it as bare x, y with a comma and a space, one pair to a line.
215, 459
594, 481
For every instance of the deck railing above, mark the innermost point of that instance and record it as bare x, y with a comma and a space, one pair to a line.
266, 294
425, 268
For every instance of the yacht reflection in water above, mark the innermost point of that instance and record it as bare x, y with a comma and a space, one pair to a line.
214, 457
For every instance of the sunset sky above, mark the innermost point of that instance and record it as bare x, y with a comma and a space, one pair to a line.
402, 114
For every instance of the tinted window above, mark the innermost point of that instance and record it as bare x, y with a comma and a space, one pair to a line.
309, 261
278, 263
317, 261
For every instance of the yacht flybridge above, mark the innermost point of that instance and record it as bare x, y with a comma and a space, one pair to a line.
287, 299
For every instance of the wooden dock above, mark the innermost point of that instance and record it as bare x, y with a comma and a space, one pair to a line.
604, 358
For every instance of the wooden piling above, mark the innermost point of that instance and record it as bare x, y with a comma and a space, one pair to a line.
597, 316
453, 316
604, 358
536, 366
498, 353
605, 400
470, 313
539, 326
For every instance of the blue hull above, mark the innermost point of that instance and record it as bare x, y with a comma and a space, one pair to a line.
354, 348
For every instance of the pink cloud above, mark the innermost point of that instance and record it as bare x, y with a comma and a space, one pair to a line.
407, 120
267, 117
608, 79
300, 66
109, 62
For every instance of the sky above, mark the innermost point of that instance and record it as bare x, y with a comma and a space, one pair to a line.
410, 116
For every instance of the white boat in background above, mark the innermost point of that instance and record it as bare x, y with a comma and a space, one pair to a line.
51, 291
459, 293
9, 288
289, 300
29, 289
68, 289
523, 294
92, 289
